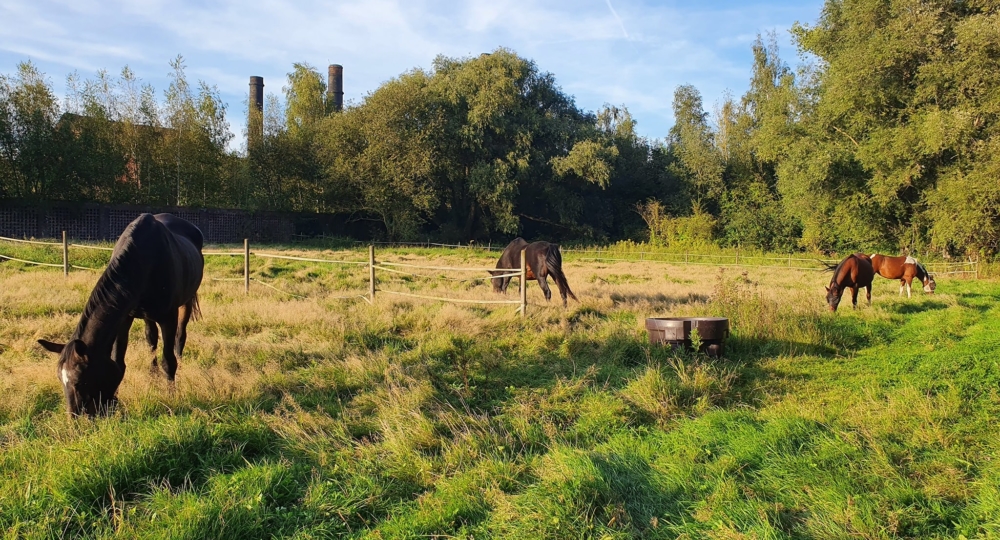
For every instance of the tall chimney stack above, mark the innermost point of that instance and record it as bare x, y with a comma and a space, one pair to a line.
335, 87
255, 124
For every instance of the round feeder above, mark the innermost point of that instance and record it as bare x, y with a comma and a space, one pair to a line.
676, 332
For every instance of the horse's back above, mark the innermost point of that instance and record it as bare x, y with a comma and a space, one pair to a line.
865, 270
511, 256
183, 228
167, 250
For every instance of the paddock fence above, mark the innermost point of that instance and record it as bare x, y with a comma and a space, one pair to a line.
372, 266
377, 286
968, 268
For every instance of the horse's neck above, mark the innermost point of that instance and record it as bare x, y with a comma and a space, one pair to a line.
106, 310
99, 332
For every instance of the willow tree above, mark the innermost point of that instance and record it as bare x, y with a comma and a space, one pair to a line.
28, 152
909, 90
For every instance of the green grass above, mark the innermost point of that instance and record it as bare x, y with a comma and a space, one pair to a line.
325, 418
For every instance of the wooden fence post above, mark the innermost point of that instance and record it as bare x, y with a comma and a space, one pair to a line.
524, 285
246, 266
371, 273
65, 255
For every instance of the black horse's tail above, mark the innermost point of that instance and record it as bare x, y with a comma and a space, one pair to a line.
195, 307
827, 266
553, 259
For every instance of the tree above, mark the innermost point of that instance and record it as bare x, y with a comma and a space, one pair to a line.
379, 156
698, 163
28, 151
906, 90
196, 136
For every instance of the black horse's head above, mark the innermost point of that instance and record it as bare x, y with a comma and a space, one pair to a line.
497, 282
833, 295
89, 383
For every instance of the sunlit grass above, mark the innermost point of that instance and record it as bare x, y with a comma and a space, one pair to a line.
299, 413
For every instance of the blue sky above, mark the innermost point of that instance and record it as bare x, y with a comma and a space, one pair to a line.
623, 52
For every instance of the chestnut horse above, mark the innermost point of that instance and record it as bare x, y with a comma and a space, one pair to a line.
904, 269
854, 272
543, 259
154, 274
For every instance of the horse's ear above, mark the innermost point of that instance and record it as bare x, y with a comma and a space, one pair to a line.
78, 348
52, 347
827, 289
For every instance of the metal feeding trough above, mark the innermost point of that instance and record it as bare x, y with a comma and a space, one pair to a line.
676, 332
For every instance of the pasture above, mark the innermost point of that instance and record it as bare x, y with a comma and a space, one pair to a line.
298, 413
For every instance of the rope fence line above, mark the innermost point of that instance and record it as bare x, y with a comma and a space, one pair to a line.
967, 267
442, 299
30, 262
30, 241
306, 259
385, 269
102, 248
447, 268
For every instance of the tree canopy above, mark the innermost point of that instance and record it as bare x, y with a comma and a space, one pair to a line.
885, 138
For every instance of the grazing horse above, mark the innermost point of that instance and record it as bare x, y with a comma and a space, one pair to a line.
854, 272
904, 269
543, 259
154, 274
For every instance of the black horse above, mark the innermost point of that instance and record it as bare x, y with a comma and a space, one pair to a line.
154, 274
543, 259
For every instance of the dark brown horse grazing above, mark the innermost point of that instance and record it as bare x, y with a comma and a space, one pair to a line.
543, 259
854, 272
154, 274
903, 268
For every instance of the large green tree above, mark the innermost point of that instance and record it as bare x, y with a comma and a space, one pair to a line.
906, 109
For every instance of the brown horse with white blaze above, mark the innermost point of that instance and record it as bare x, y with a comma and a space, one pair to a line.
903, 268
854, 272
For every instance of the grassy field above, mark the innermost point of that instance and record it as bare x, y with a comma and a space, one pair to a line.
321, 417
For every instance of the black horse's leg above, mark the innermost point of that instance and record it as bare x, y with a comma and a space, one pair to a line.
868, 290
506, 281
168, 327
121, 344
183, 316
543, 282
151, 336
854, 296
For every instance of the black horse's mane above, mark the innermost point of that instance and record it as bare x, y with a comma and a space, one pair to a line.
921, 272
120, 284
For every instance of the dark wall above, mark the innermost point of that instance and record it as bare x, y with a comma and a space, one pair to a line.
88, 221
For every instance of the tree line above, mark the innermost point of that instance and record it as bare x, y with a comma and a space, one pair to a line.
884, 138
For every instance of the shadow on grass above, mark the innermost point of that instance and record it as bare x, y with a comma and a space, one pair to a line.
909, 308
659, 300
977, 301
